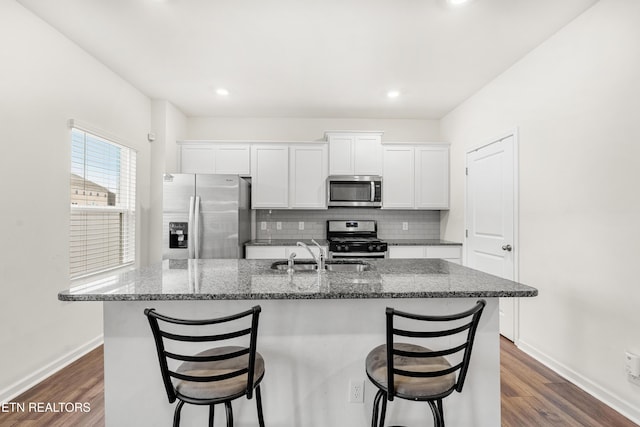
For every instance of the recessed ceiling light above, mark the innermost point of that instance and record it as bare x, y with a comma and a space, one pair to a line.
222, 92
393, 94
457, 2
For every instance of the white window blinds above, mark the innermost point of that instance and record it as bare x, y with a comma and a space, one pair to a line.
103, 202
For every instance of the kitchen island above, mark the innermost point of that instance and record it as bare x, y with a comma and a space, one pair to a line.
315, 332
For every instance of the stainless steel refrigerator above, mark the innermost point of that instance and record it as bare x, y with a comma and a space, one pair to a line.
205, 216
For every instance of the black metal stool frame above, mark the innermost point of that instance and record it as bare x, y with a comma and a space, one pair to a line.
434, 401
160, 335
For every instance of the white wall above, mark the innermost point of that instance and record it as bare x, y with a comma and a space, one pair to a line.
311, 129
576, 102
168, 125
44, 81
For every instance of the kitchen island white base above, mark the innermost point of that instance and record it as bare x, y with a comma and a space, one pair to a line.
312, 349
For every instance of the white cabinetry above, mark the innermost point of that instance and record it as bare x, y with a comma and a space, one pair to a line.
269, 176
289, 176
355, 153
452, 253
280, 252
432, 177
308, 176
206, 157
398, 177
415, 177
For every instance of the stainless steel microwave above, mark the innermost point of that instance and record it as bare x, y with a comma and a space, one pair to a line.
363, 191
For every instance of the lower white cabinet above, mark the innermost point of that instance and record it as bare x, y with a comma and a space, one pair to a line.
280, 252
447, 252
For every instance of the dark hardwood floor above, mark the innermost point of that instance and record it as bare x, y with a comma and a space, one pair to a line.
532, 395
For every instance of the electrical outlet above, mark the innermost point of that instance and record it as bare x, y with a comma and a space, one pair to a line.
301, 225
263, 225
356, 391
405, 226
278, 225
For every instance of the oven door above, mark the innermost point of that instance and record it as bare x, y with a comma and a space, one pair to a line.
354, 191
346, 255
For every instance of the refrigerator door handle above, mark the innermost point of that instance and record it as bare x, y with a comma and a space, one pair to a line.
191, 229
197, 229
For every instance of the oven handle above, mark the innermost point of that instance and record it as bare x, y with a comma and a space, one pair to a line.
373, 191
338, 255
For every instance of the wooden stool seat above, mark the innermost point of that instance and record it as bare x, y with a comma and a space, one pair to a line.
405, 386
223, 389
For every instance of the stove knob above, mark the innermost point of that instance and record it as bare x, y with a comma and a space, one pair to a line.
371, 248
379, 248
345, 248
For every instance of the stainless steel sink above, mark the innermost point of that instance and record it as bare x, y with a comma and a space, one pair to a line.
347, 266
298, 266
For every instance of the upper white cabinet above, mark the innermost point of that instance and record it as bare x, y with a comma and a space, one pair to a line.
355, 153
308, 176
289, 176
398, 177
432, 177
207, 157
415, 176
269, 176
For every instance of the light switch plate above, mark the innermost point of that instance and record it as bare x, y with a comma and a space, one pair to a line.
263, 225
278, 225
301, 225
405, 226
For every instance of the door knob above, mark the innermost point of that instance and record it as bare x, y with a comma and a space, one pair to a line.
507, 248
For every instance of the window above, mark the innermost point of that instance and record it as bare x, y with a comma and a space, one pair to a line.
103, 203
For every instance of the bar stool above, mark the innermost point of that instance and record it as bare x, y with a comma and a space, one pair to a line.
413, 372
216, 375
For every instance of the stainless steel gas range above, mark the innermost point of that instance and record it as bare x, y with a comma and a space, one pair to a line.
355, 239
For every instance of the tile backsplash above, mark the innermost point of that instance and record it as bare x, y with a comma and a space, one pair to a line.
421, 224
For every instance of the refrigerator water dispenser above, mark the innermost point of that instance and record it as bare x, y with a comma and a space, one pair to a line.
178, 235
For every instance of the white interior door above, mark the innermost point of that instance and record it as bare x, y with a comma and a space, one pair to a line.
490, 219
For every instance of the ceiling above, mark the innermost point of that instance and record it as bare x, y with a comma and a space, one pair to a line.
308, 58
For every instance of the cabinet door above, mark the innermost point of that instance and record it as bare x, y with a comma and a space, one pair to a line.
197, 158
398, 177
232, 159
367, 155
341, 155
269, 176
265, 252
308, 176
432, 177
406, 252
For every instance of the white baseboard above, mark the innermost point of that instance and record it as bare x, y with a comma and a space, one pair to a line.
622, 406
45, 372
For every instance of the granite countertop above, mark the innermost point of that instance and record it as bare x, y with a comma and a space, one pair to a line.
285, 242
233, 279
421, 242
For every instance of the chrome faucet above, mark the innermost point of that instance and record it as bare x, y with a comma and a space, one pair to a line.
318, 259
290, 262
